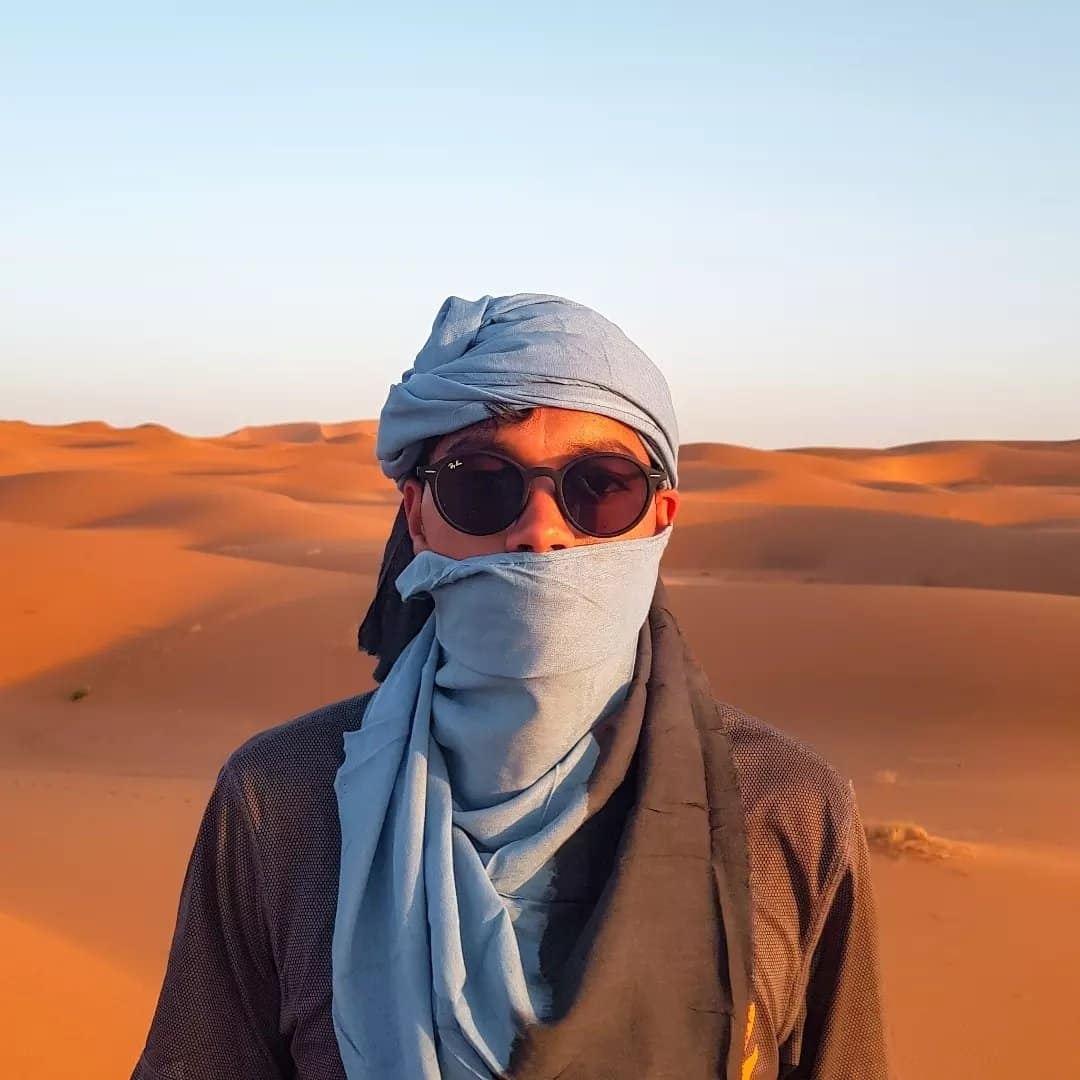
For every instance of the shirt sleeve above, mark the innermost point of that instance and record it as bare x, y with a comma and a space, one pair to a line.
842, 1032
217, 1015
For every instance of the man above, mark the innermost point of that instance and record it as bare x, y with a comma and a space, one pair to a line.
540, 848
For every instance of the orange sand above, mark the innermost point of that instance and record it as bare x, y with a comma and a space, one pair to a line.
913, 612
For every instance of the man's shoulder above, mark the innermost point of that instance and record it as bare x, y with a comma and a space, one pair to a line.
774, 764
792, 796
303, 753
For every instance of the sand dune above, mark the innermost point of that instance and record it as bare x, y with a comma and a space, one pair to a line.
350, 433
913, 611
992, 484
63, 987
839, 544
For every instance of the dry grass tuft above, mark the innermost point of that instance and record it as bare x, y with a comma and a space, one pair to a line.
904, 838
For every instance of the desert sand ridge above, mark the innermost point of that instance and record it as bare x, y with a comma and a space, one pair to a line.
913, 612
307, 432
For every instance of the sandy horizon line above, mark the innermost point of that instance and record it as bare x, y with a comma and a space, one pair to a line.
324, 430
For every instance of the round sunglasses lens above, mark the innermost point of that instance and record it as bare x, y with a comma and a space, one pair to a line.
605, 494
478, 493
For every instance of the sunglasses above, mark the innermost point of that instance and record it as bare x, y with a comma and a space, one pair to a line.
483, 492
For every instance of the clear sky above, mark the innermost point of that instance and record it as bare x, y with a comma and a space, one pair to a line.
828, 223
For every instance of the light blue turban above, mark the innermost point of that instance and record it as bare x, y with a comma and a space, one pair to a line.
525, 350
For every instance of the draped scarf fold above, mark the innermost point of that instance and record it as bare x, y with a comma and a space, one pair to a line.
652, 982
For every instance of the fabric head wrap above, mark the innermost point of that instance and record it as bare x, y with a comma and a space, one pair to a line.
525, 351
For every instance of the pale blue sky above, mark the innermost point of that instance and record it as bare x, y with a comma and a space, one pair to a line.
828, 223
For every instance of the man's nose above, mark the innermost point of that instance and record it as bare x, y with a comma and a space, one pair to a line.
541, 525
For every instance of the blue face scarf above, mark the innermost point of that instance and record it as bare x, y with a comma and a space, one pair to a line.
469, 772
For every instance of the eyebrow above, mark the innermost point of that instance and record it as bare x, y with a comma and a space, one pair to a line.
481, 441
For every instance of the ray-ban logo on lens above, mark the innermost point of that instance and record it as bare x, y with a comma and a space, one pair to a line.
453, 464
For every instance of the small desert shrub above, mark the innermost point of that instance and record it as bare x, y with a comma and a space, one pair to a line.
898, 838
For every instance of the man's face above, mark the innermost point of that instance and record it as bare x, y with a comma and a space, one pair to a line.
548, 437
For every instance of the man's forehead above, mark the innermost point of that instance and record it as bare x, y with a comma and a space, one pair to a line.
565, 433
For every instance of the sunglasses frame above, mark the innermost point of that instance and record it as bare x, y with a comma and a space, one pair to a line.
430, 473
